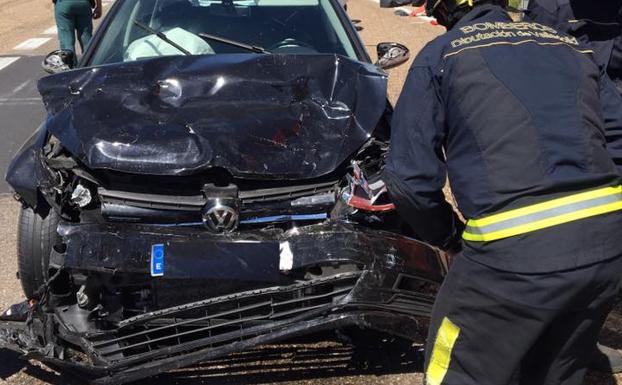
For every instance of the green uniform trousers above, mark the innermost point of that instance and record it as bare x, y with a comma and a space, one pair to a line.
73, 17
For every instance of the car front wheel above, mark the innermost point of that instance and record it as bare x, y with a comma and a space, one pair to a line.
36, 235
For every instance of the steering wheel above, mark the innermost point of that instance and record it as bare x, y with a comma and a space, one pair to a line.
290, 43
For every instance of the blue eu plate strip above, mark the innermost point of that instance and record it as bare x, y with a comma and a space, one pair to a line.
280, 218
157, 260
258, 220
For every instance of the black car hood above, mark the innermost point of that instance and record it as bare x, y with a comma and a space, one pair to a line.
259, 116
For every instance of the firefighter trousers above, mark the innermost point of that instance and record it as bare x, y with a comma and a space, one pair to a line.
492, 327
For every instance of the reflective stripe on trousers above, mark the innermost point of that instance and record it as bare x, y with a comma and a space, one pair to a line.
545, 214
444, 343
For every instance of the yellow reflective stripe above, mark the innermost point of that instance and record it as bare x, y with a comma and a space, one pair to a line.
441, 353
532, 209
544, 223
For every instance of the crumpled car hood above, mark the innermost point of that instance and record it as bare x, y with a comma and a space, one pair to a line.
258, 116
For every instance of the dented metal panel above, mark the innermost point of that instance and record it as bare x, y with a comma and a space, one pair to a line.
259, 116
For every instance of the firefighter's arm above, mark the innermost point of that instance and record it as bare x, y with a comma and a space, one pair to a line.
416, 171
548, 12
611, 103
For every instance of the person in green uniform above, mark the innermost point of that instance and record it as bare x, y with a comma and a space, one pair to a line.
75, 17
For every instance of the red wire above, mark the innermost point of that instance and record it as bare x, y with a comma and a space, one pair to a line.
364, 204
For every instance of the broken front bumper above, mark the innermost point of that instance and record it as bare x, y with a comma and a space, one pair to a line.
215, 295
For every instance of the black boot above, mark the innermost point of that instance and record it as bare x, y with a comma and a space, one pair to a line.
607, 360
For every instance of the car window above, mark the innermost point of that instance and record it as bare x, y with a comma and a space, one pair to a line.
279, 26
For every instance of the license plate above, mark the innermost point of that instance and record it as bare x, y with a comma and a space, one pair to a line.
206, 259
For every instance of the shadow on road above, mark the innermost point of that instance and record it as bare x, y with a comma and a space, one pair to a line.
302, 361
612, 332
600, 379
611, 336
11, 363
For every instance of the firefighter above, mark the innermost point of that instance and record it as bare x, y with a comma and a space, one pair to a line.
596, 23
515, 114
600, 26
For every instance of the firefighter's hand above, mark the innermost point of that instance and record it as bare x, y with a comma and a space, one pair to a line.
97, 12
453, 251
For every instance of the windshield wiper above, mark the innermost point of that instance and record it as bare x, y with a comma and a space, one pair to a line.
203, 35
162, 36
234, 43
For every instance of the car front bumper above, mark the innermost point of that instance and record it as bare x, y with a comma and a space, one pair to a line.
219, 294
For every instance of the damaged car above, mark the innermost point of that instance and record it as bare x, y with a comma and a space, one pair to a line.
206, 181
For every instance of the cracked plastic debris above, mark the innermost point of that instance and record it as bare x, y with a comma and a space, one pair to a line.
177, 115
81, 196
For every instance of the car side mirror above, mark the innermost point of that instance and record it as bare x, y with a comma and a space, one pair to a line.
391, 55
58, 61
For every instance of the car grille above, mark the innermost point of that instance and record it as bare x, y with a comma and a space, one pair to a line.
285, 193
218, 321
157, 208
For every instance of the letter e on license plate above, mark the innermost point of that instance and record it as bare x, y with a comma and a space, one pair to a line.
157, 260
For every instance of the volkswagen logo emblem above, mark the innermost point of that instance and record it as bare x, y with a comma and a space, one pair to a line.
220, 218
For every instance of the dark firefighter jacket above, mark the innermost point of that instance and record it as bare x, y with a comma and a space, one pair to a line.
598, 23
515, 108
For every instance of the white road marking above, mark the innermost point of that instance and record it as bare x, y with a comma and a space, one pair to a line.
33, 43
51, 31
19, 101
7, 61
3, 104
21, 86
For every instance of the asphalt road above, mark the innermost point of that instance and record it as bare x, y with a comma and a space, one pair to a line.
27, 33
327, 362
21, 110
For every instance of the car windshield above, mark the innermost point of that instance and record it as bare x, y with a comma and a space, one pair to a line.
141, 28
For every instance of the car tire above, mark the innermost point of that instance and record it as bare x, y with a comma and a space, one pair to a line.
36, 235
